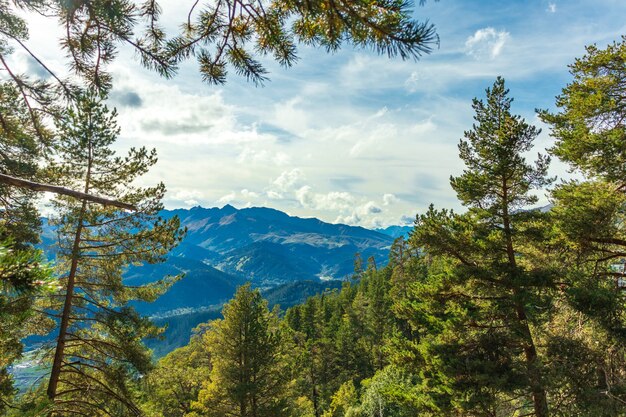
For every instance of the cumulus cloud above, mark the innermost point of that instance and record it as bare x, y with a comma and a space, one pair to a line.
352, 219
249, 194
184, 118
333, 201
486, 43
289, 116
369, 208
188, 197
551, 7
389, 199
287, 180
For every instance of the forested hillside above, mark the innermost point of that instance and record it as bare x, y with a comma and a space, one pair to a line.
506, 306
503, 310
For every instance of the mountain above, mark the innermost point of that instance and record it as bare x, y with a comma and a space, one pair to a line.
289, 258
270, 247
396, 231
200, 287
225, 247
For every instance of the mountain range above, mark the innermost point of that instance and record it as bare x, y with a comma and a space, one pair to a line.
289, 258
269, 247
225, 247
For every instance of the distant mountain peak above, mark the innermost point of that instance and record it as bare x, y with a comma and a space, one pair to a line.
228, 209
396, 231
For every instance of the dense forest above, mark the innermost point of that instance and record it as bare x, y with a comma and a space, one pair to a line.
502, 309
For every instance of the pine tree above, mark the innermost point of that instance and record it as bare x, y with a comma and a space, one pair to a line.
249, 367
480, 303
99, 345
23, 276
23, 273
20, 153
589, 216
174, 384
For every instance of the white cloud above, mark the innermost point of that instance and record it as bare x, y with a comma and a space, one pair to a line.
352, 219
551, 8
289, 116
228, 198
188, 197
389, 199
252, 155
273, 195
368, 208
249, 194
486, 43
287, 180
332, 201
413, 82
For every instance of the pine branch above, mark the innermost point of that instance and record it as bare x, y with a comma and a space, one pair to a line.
36, 186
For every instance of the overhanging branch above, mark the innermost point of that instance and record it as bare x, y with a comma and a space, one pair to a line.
36, 186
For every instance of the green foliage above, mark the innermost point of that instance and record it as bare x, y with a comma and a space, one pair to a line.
23, 275
20, 154
219, 35
343, 401
99, 348
175, 382
249, 366
493, 153
390, 392
589, 228
486, 285
590, 135
589, 127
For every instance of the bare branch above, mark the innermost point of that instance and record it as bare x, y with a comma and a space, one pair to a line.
36, 186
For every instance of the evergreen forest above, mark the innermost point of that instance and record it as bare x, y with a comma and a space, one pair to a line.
500, 309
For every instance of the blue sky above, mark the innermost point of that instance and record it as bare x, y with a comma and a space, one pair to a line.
349, 137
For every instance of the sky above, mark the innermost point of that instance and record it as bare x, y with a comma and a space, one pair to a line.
349, 137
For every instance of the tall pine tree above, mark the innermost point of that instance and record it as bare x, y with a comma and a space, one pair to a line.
479, 305
589, 214
99, 345
249, 375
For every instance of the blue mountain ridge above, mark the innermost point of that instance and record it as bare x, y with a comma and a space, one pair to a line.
225, 247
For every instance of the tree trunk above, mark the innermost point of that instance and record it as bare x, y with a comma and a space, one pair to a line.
540, 401
67, 310
57, 363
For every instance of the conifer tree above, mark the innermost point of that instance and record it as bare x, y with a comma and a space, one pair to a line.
479, 305
99, 342
173, 385
22, 271
20, 153
590, 134
23, 275
249, 366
